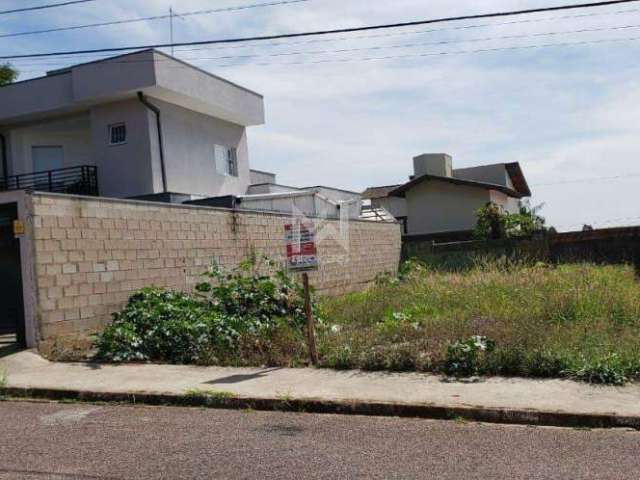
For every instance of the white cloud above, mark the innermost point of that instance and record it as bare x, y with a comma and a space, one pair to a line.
565, 113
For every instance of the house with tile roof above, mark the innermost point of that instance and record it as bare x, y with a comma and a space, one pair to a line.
441, 200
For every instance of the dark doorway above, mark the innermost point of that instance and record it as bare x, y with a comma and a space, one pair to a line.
11, 301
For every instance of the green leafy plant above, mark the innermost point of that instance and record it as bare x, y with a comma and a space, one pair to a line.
8, 74
610, 369
247, 293
465, 357
494, 223
231, 311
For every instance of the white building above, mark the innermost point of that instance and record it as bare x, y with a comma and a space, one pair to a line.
142, 125
439, 199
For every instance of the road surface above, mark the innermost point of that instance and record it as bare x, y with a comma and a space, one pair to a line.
82, 441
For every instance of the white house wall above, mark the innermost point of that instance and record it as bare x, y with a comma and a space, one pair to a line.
125, 170
31, 97
308, 204
179, 83
509, 204
258, 177
396, 206
118, 76
189, 139
352, 201
496, 174
73, 134
434, 206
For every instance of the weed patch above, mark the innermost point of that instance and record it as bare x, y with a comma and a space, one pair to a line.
578, 321
235, 318
209, 394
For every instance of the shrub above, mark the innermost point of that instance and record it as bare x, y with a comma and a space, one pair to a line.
233, 313
247, 293
610, 369
494, 223
466, 358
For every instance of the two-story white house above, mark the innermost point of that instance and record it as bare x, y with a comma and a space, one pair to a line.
137, 125
148, 126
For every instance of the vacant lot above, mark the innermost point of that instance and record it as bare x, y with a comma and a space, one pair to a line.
495, 318
569, 320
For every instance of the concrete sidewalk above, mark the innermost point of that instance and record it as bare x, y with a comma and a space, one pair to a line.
510, 400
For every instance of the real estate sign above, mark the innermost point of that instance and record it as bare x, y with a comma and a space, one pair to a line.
302, 254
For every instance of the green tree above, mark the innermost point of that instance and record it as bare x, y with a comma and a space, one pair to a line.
494, 223
8, 74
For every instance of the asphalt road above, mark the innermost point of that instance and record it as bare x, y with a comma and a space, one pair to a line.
81, 441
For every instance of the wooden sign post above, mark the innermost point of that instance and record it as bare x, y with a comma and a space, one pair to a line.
302, 257
311, 329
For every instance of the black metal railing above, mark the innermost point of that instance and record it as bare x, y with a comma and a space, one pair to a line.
81, 180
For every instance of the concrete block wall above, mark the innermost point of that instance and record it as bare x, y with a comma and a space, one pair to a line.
90, 254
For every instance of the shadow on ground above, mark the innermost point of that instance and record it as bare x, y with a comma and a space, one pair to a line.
8, 345
242, 378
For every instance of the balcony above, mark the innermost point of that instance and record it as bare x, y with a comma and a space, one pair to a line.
81, 180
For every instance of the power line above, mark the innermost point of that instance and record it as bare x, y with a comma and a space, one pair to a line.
43, 7
326, 32
374, 48
152, 18
418, 32
436, 54
381, 35
393, 57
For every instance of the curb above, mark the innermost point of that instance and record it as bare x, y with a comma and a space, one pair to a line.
353, 407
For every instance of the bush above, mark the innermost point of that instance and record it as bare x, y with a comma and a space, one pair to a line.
466, 358
609, 369
246, 293
233, 312
494, 223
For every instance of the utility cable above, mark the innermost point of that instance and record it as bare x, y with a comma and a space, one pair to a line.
324, 32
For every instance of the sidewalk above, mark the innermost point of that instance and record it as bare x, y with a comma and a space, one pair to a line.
514, 400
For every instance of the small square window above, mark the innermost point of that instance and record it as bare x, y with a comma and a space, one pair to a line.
117, 134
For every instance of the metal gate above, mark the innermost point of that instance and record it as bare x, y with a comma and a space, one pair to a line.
11, 300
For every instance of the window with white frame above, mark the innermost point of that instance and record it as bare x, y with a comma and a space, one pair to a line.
117, 134
226, 160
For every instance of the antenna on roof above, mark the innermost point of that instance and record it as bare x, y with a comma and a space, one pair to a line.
171, 15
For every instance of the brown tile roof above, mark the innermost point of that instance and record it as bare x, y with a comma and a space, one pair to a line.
517, 178
402, 189
378, 192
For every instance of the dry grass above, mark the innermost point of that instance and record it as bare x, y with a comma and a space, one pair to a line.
67, 349
579, 321
546, 321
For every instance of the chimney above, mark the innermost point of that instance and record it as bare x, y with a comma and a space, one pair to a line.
432, 164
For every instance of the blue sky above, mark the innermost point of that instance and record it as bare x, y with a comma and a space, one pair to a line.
568, 114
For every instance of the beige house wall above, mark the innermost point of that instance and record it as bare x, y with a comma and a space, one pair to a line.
435, 206
91, 254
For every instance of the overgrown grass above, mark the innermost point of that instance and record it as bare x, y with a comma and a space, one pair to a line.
494, 317
579, 321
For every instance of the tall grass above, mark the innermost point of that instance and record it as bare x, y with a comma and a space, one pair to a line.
569, 320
